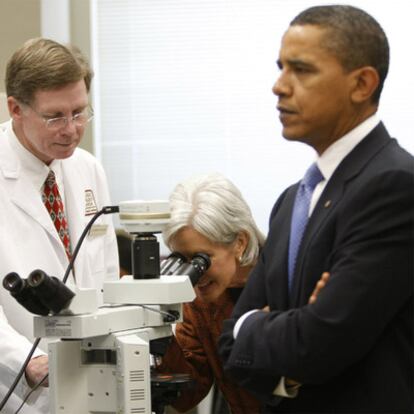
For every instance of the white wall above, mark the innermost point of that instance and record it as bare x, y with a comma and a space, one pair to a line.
4, 112
184, 87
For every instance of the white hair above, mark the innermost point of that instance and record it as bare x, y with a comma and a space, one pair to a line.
214, 207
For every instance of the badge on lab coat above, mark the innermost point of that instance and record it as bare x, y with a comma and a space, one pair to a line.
90, 209
90, 204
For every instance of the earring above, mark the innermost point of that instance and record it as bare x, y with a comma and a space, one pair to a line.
240, 258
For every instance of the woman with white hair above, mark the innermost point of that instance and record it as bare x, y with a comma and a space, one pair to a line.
209, 215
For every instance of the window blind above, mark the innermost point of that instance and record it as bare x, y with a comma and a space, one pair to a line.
184, 87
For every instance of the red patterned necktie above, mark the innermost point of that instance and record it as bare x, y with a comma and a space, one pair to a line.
54, 205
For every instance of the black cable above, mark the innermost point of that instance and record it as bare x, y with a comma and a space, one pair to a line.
170, 316
104, 210
31, 392
19, 375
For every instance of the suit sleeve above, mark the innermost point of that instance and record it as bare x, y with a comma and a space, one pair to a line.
237, 359
254, 296
368, 295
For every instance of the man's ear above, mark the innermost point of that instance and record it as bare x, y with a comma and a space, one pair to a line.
15, 108
365, 82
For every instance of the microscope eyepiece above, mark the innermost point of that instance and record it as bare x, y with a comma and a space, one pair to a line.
199, 265
176, 265
13, 282
201, 261
52, 292
24, 294
39, 293
36, 278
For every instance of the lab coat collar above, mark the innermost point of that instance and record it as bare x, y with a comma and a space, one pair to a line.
23, 176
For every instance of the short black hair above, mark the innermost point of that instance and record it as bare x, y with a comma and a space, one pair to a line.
353, 36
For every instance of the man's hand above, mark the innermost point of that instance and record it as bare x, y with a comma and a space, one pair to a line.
319, 286
36, 369
291, 383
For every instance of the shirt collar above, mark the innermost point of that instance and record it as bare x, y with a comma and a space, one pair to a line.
334, 154
36, 169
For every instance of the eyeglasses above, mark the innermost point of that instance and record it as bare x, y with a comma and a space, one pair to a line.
79, 119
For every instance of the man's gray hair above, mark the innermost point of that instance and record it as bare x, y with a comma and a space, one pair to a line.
213, 206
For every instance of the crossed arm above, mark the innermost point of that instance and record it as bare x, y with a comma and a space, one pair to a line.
291, 383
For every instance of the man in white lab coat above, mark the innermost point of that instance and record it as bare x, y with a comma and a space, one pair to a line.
47, 87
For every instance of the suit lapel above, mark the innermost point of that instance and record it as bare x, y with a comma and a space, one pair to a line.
276, 250
348, 169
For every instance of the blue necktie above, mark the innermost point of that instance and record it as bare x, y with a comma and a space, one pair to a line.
300, 215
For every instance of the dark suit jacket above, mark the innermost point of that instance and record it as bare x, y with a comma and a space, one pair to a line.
353, 349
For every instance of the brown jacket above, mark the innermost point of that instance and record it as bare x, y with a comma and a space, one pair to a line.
193, 351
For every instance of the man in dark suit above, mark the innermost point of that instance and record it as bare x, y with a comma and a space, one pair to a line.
351, 350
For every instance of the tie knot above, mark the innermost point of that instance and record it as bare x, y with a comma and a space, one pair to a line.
50, 179
312, 177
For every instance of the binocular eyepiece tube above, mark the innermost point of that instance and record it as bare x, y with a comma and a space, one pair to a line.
39, 293
175, 264
172, 263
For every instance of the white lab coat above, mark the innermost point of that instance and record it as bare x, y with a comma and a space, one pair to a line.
28, 241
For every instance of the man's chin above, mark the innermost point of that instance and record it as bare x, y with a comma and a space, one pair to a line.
61, 155
291, 135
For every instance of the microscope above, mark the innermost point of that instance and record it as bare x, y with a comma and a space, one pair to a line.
102, 359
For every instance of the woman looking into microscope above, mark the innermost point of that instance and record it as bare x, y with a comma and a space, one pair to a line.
209, 215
